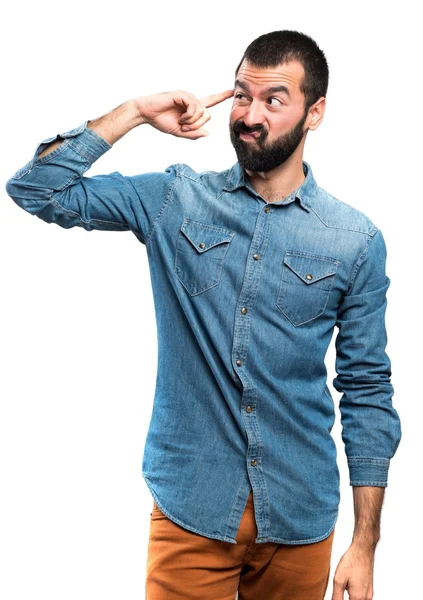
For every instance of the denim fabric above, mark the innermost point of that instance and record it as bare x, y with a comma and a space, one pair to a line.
247, 295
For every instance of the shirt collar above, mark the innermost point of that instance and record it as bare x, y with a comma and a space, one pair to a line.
237, 178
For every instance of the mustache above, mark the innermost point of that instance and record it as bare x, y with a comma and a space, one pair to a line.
239, 127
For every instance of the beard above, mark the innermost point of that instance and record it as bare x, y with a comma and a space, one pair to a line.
255, 155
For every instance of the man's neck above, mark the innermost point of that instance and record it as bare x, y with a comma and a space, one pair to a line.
278, 183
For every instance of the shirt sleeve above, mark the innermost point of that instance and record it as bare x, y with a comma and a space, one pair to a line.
371, 429
54, 188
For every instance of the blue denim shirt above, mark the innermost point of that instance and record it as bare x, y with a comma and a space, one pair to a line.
247, 295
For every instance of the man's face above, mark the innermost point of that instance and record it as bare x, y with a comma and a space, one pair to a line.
275, 118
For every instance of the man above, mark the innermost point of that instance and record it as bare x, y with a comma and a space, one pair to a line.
251, 270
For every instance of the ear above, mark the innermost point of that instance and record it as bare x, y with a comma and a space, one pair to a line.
316, 113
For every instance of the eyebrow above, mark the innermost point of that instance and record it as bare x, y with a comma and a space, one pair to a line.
271, 90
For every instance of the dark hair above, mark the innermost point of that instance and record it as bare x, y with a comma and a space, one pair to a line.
278, 47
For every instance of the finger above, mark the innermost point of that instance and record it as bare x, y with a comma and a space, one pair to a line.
191, 106
187, 102
216, 98
193, 115
191, 111
197, 124
338, 591
193, 135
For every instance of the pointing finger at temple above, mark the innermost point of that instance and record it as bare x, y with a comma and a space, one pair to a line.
216, 98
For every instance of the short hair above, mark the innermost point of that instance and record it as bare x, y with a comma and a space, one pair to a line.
279, 47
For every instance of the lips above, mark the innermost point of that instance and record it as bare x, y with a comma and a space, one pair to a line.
247, 136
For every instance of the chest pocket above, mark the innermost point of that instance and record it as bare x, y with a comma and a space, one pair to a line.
306, 282
200, 252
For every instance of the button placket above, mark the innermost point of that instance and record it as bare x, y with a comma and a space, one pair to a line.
249, 400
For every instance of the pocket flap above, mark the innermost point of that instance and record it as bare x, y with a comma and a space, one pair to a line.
310, 268
204, 236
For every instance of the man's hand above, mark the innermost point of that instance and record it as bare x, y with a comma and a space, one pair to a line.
179, 113
354, 574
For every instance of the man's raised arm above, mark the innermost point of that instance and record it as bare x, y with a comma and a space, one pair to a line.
52, 186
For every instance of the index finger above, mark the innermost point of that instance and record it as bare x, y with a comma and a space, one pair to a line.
216, 98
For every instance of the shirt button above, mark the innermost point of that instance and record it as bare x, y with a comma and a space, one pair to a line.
243, 310
239, 362
202, 245
267, 209
308, 276
256, 256
253, 462
249, 409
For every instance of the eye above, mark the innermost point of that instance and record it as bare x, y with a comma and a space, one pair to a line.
238, 95
274, 98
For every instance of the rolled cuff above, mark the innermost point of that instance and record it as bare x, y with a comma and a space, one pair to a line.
82, 139
369, 471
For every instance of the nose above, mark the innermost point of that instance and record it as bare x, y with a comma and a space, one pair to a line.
254, 115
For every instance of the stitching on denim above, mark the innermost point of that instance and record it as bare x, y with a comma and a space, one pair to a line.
179, 272
207, 226
45, 159
311, 255
54, 201
66, 184
97, 136
350, 206
368, 460
178, 521
82, 154
220, 195
266, 491
241, 484
360, 261
279, 298
338, 226
177, 178
192, 179
305, 540
381, 483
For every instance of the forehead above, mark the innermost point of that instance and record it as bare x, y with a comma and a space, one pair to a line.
290, 74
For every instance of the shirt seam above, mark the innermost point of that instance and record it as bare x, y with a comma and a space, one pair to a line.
360, 260
158, 217
72, 212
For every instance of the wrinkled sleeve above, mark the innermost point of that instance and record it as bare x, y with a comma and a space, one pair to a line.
371, 429
55, 189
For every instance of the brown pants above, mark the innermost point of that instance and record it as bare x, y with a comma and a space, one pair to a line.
184, 565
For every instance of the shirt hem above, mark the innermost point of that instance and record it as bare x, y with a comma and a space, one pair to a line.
233, 540
297, 542
182, 523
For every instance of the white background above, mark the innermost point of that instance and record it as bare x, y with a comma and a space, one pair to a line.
78, 337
